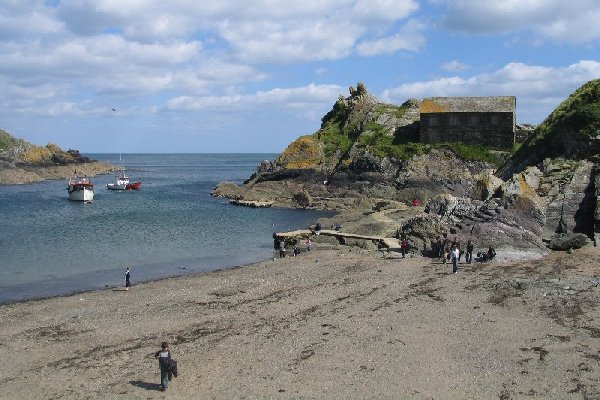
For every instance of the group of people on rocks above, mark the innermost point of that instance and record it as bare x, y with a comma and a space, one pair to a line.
447, 250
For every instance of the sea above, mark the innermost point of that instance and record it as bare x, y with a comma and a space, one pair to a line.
51, 246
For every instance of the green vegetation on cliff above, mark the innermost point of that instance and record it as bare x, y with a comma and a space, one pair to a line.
361, 124
356, 122
8, 142
23, 153
368, 125
578, 115
572, 130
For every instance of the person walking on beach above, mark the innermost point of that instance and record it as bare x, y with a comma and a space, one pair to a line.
282, 249
308, 244
127, 279
164, 361
455, 254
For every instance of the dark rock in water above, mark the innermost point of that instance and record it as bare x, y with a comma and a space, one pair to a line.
569, 241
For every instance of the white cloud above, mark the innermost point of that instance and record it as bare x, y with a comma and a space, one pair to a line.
284, 42
302, 97
258, 31
538, 89
575, 22
99, 47
409, 38
454, 66
384, 9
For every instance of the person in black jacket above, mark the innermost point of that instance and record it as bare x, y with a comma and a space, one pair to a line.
164, 361
469, 254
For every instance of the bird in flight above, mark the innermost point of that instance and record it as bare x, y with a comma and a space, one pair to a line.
114, 109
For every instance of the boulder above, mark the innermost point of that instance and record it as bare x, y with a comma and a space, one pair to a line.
303, 199
568, 241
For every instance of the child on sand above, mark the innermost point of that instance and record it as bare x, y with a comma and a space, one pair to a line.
164, 360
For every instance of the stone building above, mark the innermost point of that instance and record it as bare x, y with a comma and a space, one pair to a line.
487, 121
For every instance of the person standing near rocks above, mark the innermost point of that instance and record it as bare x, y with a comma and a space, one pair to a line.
439, 248
455, 254
282, 249
404, 247
469, 253
127, 279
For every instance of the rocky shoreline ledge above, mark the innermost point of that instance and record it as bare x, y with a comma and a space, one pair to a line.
333, 323
24, 175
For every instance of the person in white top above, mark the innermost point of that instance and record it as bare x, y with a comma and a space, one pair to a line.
455, 254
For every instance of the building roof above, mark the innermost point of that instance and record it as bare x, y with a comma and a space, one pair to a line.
469, 104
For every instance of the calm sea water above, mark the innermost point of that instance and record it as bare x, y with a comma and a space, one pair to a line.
52, 246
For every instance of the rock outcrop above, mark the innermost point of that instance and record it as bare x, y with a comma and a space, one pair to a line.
367, 153
22, 162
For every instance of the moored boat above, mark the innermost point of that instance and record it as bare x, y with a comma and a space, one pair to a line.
81, 189
123, 183
120, 184
134, 186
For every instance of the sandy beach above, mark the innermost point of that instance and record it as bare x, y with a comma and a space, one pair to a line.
333, 323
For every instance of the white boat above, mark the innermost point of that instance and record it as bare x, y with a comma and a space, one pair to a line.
123, 183
81, 189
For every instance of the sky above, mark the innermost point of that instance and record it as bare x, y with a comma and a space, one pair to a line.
215, 76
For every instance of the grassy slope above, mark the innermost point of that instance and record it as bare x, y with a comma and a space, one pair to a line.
571, 131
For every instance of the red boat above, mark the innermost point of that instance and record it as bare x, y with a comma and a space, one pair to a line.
133, 186
123, 183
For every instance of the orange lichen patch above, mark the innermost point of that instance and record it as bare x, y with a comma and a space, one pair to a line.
523, 186
37, 155
304, 152
432, 106
528, 192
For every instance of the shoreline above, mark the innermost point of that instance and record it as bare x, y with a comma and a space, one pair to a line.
333, 323
137, 282
513, 257
29, 175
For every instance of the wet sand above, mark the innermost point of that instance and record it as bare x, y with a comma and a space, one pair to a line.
326, 324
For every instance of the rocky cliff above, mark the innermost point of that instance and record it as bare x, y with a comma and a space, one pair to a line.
366, 161
23, 162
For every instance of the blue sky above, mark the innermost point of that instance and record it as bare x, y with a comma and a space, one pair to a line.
253, 75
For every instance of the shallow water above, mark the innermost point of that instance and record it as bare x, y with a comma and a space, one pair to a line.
52, 246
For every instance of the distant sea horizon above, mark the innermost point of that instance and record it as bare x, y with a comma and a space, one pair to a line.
51, 246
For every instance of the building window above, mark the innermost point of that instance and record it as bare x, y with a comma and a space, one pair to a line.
433, 121
495, 120
473, 120
453, 120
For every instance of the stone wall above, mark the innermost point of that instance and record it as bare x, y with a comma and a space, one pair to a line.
495, 129
486, 121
